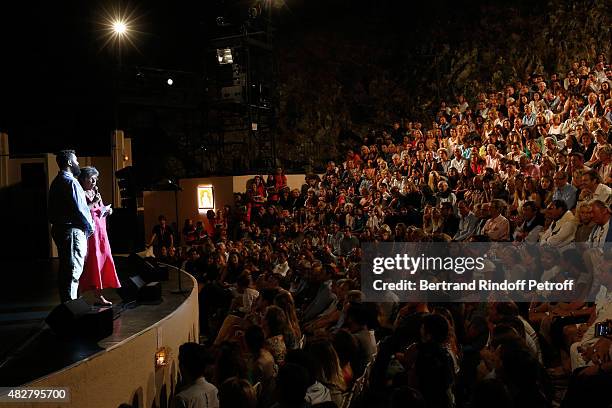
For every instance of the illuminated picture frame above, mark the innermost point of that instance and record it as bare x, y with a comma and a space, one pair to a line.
206, 198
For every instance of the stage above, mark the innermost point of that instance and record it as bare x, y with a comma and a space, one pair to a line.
31, 354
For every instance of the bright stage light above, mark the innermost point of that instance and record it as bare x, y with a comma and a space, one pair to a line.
119, 27
170, 81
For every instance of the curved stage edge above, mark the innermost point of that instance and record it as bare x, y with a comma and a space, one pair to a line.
124, 370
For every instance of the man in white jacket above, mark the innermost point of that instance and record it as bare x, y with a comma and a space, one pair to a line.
562, 230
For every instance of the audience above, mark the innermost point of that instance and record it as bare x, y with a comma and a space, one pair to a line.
282, 314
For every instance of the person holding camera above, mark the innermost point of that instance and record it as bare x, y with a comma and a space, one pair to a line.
581, 352
588, 385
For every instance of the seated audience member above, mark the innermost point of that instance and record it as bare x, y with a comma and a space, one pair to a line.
327, 369
317, 394
585, 223
581, 351
450, 222
261, 365
497, 227
229, 362
195, 390
562, 229
245, 294
320, 280
601, 215
357, 324
501, 311
533, 223
593, 189
587, 385
329, 318
237, 393
293, 381
285, 301
347, 348
189, 232
467, 222
279, 337
429, 365
563, 190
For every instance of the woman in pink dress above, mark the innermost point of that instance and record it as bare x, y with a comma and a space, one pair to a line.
99, 270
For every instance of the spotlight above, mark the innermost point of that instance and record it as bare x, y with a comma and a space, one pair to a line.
119, 27
170, 81
224, 56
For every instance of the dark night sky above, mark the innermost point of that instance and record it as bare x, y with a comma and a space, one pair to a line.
57, 77
57, 80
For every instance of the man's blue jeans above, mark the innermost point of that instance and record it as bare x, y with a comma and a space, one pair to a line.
72, 248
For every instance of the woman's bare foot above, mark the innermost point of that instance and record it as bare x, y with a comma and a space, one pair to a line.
101, 301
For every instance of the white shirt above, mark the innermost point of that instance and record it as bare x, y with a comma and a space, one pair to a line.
201, 394
458, 164
281, 268
602, 192
548, 274
603, 311
248, 297
317, 393
560, 233
531, 337
555, 130
597, 238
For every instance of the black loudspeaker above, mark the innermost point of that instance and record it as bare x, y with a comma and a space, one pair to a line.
76, 318
147, 268
135, 288
126, 230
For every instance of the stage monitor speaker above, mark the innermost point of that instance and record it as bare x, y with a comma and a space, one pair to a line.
135, 288
147, 268
76, 318
126, 230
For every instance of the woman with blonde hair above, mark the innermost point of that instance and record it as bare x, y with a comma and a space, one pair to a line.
284, 300
556, 127
327, 369
431, 219
279, 336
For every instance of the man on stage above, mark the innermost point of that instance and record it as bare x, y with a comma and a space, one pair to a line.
71, 224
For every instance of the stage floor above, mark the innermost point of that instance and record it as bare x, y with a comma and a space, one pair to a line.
30, 350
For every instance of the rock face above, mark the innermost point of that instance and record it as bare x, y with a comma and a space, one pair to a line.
343, 79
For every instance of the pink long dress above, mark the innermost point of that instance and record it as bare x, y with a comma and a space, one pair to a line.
99, 271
